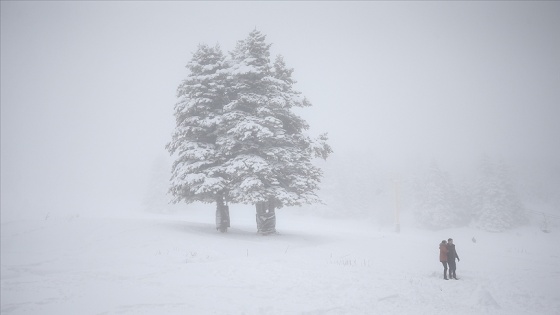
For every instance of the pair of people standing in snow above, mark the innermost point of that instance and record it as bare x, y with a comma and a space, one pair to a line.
447, 255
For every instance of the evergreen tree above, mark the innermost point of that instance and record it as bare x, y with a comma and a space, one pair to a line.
496, 206
269, 155
439, 203
237, 139
198, 112
156, 199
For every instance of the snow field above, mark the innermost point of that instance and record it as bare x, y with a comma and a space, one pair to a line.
179, 264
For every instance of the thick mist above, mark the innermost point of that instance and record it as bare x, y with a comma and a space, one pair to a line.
88, 89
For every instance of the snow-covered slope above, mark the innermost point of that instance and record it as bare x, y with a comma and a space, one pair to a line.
179, 264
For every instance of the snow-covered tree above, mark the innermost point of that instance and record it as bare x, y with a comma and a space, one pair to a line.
269, 155
198, 114
495, 204
439, 205
156, 198
237, 139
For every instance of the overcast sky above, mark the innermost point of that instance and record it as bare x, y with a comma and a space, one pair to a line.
88, 87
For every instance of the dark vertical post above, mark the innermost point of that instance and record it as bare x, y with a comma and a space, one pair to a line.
397, 206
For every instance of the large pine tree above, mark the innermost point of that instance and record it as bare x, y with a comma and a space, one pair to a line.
198, 115
237, 138
271, 154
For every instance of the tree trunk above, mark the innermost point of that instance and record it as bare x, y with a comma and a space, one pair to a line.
222, 215
266, 217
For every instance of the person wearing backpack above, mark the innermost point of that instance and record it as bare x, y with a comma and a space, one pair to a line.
443, 257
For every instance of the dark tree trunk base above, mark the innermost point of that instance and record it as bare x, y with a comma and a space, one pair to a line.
266, 218
222, 216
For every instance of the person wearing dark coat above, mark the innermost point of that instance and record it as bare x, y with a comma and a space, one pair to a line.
443, 257
451, 256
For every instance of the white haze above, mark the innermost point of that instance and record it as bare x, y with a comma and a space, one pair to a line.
87, 96
88, 88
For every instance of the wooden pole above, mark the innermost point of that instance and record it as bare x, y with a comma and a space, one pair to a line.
397, 206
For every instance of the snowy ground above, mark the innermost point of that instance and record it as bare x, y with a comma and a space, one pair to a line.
179, 264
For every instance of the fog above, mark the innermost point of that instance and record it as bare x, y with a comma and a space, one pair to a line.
88, 88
